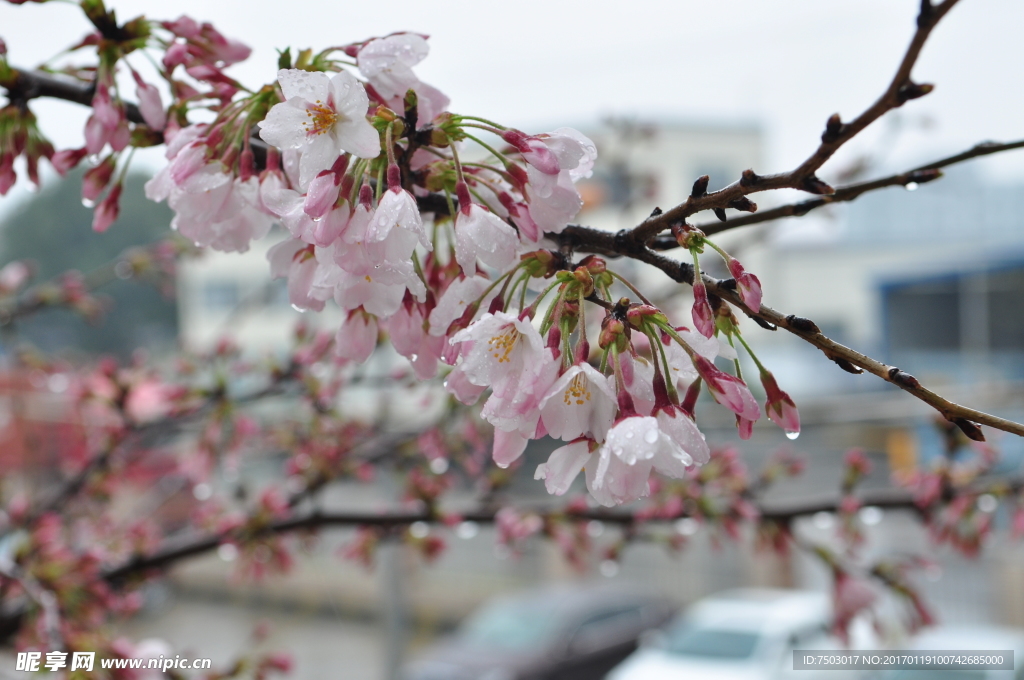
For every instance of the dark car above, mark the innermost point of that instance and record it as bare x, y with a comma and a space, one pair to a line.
564, 632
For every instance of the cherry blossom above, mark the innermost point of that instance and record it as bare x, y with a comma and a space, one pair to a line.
387, 63
515, 403
748, 285
480, 234
288, 205
779, 406
322, 117
454, 301
727, 390
213, 209
618, 470
703, 317
357, 337
580, 403
411, 341
150, 105
396, 227
564, 464
296, 261
501, 347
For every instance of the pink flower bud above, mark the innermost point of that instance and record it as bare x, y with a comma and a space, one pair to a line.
744, 427
96, 179
176, 55
67, 159
703, 317
322, 194
780, 407
107, 211
357, 337
857, 461
748, 285
534, 151
8, 177
727, 390
150, 105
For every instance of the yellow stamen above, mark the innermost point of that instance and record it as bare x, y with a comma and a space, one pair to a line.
501, 345
321, 118
578, 390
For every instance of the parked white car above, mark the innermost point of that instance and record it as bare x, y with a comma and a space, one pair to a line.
746, 634
948, 638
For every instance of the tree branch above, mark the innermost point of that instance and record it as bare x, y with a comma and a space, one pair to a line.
593, 240
783, 513
848, 192
837, 133
135, 262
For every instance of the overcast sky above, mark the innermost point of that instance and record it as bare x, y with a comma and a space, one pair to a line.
539, 64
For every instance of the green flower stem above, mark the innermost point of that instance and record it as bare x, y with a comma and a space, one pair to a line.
550, 314
753, 356
541, 296
460, 118
494, 152
631, 287
660, 356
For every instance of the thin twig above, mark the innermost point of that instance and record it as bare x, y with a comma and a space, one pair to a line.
848, 192
901, 89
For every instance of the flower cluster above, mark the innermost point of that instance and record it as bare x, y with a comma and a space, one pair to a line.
429, 226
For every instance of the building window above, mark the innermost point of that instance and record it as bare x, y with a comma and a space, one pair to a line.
924, 315
974, 312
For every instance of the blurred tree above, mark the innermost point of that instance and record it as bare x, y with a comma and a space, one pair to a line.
52, 229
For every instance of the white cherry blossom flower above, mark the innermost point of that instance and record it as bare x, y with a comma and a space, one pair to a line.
503, 347
458, 385
286, 204
553, 210
322, 117
515, 403
387, 63
669, 443
480, 234
356, 337
453, 302
396, 227
564, 465
218, 211
580, 403
295, 260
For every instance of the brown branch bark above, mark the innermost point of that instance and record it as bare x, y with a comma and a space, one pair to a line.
901, 89
849, 192
635, 243
593, 240
784, 512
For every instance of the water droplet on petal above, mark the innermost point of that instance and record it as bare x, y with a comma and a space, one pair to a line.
629, 435
792, 434
88, 203
93, 159
651, 436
